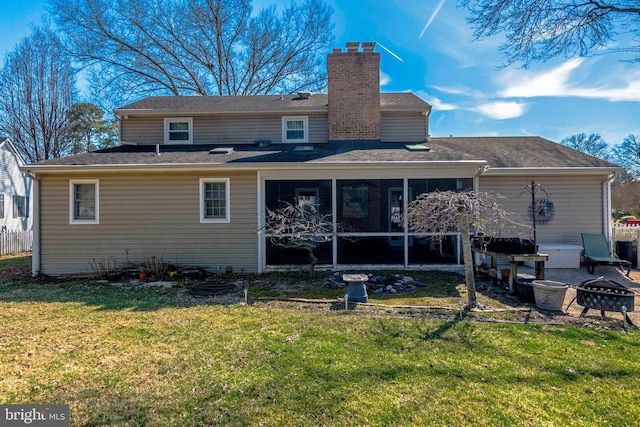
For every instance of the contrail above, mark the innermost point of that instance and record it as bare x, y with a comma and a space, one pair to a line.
432, 17
391, 53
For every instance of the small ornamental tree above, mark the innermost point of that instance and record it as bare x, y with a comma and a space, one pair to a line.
449, 211
299, 226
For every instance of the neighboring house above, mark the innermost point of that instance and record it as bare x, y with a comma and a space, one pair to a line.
193, 177
15, 190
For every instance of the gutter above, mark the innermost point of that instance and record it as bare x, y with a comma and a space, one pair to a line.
35, 247
551, 171
233, 166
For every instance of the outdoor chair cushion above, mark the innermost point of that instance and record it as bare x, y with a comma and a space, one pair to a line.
596, 252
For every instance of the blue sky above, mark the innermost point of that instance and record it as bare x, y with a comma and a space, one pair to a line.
426, 48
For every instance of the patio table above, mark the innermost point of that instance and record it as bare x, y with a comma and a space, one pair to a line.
514, 259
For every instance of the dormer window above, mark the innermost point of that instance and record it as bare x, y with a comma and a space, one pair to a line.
295, 129
178, 130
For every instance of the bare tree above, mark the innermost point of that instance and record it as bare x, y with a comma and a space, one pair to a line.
625, 198
536, 30
37, 83
593, 145
449, 211
299, 227
198, 47
627, 155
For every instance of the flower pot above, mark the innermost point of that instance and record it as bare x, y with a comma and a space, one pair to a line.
505, 272
525, 291
549, 295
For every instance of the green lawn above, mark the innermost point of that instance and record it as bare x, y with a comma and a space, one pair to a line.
134, 357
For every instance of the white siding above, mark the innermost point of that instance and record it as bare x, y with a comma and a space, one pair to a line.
13, 183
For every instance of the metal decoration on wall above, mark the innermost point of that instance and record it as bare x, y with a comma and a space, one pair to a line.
543, 211
540, 210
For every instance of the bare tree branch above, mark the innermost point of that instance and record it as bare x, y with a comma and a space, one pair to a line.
443, 212
299, 227
199, 47
537, 30
37, 83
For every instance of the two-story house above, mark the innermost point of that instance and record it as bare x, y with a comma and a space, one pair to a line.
15, 190
193, 177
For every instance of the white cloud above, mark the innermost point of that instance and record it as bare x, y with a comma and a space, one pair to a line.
385, 79
460, 90
524, 84
501, 110
436, 103
561, 82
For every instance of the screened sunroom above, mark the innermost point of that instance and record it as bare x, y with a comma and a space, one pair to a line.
367, 216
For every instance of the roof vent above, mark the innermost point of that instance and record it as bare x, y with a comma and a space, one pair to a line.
417, 147
303, 148
221, 150
304, 95
262, 142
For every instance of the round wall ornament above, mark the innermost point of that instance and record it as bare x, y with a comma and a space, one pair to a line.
543, 209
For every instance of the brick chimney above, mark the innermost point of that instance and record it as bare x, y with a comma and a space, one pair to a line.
354, 93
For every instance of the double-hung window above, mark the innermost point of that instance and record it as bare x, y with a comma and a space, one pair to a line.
84, 202
295, 129
1, 205
20, 206
178, 130
214, 200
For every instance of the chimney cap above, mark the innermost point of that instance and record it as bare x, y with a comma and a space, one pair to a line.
353, 46
368, 46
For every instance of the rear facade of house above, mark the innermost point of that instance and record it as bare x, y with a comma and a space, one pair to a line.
193, 177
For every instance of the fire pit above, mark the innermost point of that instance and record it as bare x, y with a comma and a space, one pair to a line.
605, 295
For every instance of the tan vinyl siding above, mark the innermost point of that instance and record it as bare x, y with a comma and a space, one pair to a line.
223, 129
142, 215
577, 203
142, 130
403, 127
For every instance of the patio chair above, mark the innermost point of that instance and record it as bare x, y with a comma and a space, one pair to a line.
596, 252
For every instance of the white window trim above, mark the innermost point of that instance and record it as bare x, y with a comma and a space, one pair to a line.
227, 196
286, 119
72, 218
169, 120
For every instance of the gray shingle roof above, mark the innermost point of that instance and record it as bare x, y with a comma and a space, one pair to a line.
161, 105
499, 152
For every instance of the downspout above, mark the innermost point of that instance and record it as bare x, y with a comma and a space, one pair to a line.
35, 248
260, 217
476, 189
606, 214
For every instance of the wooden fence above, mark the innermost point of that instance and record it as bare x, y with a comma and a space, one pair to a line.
12, 242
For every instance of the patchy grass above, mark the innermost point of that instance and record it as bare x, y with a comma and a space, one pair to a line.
22, 260
125, 355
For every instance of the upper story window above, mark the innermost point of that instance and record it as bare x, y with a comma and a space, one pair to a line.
214, 200
84, 202
1, 205
295, 129
20, 206
178, 130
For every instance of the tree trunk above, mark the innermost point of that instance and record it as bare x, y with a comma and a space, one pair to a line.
314, 261
468, 262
